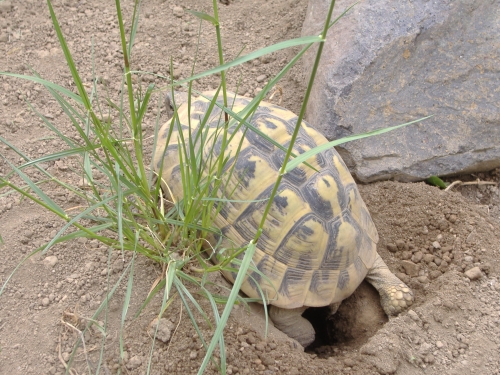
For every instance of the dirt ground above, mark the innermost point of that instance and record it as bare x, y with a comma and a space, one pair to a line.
445, 245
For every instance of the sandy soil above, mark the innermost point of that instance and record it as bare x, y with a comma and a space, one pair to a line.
445, 245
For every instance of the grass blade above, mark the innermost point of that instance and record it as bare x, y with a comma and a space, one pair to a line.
436, 181
204, 16
245, 263
306, 155
52, 85
69, 59
250, 56
47, 202
126, 302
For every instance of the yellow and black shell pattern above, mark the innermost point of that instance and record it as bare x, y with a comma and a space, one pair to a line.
318, 241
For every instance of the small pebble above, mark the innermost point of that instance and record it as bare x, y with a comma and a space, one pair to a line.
448, 304
61, 166
267, 360
471, 238
429, 358
412, 314
349, 362
423, 279
164, 331
83, 183
50, 261
117, 265
428, 258
260, 347
261, 78
45, 302
442, 225
439, 344
392, 247
178, 11
435, 274
473, 273
400, 244
89, 266
411, 269
405, 255
134, 362
417, 257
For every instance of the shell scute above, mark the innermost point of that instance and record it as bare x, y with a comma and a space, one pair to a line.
303, 245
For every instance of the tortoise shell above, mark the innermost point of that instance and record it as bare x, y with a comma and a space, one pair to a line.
318, 241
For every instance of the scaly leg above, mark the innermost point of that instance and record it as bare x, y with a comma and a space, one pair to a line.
395, 296
291, 322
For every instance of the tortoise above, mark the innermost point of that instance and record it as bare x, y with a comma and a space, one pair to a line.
318, 242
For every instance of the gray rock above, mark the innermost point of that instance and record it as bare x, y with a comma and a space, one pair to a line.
389, 62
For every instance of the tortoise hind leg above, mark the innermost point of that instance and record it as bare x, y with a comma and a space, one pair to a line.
395, 296
291, 322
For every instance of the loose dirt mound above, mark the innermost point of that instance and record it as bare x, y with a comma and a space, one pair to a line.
446, 247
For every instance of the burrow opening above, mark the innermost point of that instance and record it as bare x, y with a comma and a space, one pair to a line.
358, 318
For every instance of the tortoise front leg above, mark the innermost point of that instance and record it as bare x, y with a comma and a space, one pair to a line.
291, 322
395, 296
